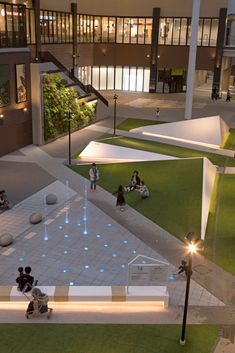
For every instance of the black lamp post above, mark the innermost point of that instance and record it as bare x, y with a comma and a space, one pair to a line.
115, 97
191, 249
69, 130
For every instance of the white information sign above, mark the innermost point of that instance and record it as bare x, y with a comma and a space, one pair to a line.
141, 273
147, 275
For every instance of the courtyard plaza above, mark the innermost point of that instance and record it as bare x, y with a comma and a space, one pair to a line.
70, 249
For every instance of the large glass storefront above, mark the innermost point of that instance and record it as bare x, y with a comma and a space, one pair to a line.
12, 25
177, 31
132, 78
56, 27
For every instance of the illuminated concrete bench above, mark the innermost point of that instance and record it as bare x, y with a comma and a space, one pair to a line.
158, 294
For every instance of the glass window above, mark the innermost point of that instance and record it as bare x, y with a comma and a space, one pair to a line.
105, 29
183, 31
28, 34
112, 29
165, 31
214, 32
88, 29
91, 28
127, 31
133, 28
51, 27
176, 31
146, 79
118, 77
189, 31
133, 79
3, 42
103, 76
110, 77
141, 27
206, 32
168, 30
97, 29
120, 22
126, 78
63, 27
139, 79
59, 29
95, 77
9, 25
148, 31
199, 32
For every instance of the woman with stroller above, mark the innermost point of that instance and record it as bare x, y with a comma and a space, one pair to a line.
38, 304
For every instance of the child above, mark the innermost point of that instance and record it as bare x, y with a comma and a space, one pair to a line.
143, 190
120, 197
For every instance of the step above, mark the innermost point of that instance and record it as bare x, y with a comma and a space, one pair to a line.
156, 294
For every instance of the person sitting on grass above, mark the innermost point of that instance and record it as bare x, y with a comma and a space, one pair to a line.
143, 190
135, 181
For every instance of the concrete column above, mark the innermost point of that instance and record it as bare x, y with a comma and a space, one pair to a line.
37, 104
192, 59
154, 49
36, 6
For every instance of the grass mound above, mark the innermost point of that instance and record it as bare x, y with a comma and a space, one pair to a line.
175, 191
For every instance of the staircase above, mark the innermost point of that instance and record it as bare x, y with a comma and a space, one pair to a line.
87, 89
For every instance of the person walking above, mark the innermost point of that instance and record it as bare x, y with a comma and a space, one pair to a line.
157, 113
229, 96
94, 176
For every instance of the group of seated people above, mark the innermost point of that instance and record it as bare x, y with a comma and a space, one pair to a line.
137, 184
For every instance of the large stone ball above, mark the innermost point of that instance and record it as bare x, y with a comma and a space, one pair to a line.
35, 218
6, 239
51, 199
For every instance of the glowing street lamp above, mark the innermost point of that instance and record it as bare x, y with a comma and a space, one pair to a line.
192, 249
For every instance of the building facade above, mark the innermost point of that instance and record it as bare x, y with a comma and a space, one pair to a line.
132, 46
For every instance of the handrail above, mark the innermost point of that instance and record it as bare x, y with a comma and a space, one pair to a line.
91, 89
88, 89
47, 56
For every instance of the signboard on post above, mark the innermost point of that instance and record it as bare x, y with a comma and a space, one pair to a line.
147, 273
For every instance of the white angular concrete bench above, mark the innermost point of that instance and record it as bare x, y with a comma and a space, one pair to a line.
154, 294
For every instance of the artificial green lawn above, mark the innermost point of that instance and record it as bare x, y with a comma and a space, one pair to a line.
132, 123
175, 191
220, 237
230, 142
49, 338
163, 148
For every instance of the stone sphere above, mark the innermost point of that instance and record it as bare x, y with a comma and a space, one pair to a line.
6, 239
35, 218
51, 199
